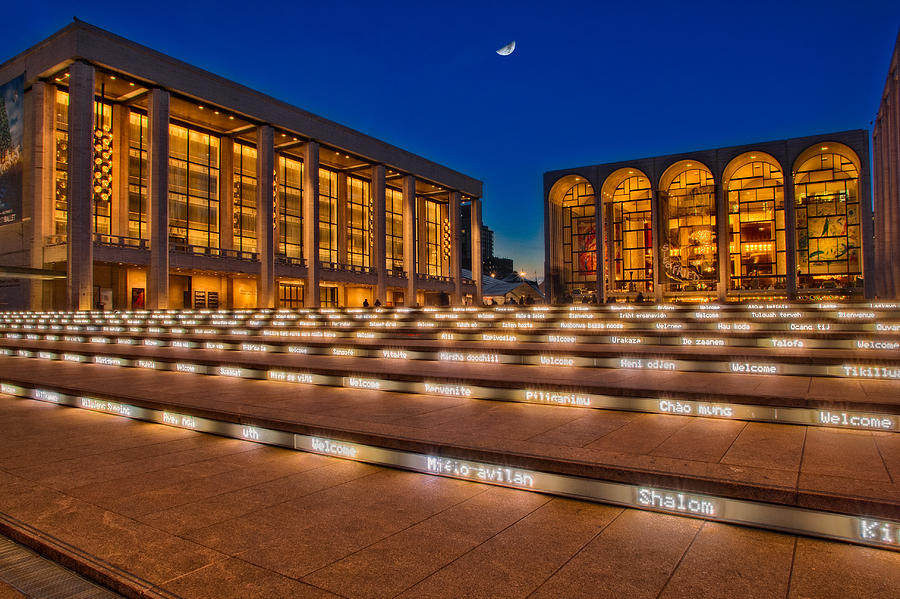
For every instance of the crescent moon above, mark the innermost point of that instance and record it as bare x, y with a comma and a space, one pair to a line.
507, 49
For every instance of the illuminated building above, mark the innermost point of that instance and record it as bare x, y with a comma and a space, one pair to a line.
144, 177
788, 218
886, 148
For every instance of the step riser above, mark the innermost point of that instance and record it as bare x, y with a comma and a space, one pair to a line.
874, 532
566, 397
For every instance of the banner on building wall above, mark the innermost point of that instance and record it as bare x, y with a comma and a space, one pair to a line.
12, 156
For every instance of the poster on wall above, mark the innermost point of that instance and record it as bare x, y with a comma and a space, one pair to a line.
137, 298
11, 149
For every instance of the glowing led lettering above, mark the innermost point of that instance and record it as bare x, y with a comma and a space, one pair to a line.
877, 344
706, 315
447, 336
557, 361
561, 339
669, 325
181, 367
254, 347
289, 377
248, 432
629, 363
736, 326
787, 343
423, 323
870, 422
99, 340
447, 356
152, 342
105, 406
179, 420
396, 354
893, 328
145, 363
8, 389
73, 339
703, 409
676, 502
230, 371
481, 472
125, 340
489, 337
46, 355
563, 398
338, 351
296, 349
361, 383
24, 353
492, 358
872, 372
333, 448
72, 358
213, 345
46, 395
451, 390
754, 368
866, 315
625, 340
365, 335
181, 344
879, 531
108, 361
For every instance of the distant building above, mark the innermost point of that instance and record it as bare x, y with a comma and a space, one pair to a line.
886, 147
490, 264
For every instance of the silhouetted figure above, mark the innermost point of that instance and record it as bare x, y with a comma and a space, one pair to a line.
365, 303
377, 303
640, 297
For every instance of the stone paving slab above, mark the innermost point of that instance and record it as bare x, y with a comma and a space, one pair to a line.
321, 527
831, 469
771, 390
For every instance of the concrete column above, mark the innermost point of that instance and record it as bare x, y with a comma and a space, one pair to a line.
866, 227
476, 250
656, 240
549, 225
80, 258
599, 283
158, 196
410, 240
342, 218
790, 230
891, 144
610, 260
41, 98
455, 257
121, 131
265, 231
378, 233
226, 193
722, 240
311, 223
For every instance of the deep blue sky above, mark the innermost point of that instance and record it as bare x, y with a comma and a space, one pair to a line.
589, 82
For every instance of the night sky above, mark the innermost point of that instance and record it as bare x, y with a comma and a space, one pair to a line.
589, 82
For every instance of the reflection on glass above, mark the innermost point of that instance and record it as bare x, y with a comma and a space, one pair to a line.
688, 236
628, 213
579, 239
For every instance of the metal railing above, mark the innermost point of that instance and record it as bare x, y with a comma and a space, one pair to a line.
335, 266
181, 247
121, 241
292, 260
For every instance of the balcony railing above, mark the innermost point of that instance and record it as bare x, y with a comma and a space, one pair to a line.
292, 260
440, 278
396, 272
180, 247
120, 241
346, 267
58, 239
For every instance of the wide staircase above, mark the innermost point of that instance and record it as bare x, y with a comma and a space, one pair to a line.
778, 416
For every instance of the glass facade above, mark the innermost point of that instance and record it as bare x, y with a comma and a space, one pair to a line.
61, 135
290, 207
244, 197
393, 205
826, 205
193, 187
435, 264
688, 251
137, 176
359, 215
579, 239
290, 295
328, 216
756, 237
629, 218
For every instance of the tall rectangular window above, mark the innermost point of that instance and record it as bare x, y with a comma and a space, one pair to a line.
328, 242
290, 207
193, 187
393, 205
359, 209
435, 212
137, 176
102, 206
244, 197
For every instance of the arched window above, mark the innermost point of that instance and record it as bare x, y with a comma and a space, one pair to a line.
576, 235
754, 184
627, 207
826, 199
687, 240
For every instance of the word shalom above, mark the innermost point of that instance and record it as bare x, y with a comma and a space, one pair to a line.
481, 472
333, 448
879, 531
676, 502
873, 422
